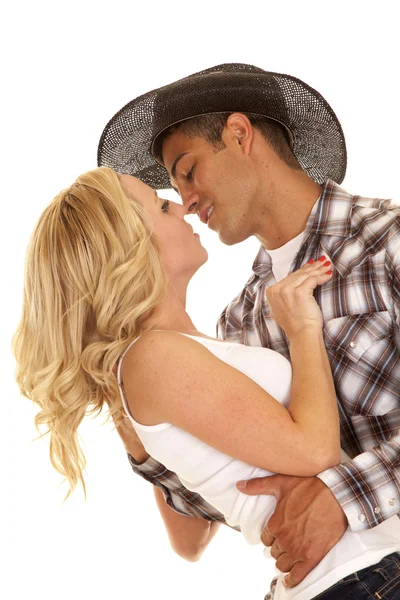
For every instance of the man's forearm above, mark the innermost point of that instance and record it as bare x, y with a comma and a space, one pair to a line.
189, 536
139, 454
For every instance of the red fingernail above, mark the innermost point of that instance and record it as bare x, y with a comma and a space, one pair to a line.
322, 258
327, 263
329, 272
310, 262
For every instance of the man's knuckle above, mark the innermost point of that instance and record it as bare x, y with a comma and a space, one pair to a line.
284, 541
273, 526
266, 538
298, 573
283, 564
275, 553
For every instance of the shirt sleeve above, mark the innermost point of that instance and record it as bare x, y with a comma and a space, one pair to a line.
180, 499
392, 266
221, 326
368, 487
156, 474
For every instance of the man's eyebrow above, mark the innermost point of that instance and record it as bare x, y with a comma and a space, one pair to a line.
178, 158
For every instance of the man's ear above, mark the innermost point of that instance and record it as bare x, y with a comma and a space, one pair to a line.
240, 130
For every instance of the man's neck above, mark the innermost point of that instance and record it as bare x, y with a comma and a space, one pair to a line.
284, 214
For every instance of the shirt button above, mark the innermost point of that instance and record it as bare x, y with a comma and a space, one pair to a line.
353, 344
361, 517
392, 501
377, 510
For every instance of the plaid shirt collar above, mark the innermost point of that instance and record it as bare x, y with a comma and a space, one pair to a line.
330, 217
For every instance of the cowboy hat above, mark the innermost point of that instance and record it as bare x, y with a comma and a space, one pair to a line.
126, 144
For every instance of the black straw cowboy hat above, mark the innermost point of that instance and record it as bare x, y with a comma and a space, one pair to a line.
318, 142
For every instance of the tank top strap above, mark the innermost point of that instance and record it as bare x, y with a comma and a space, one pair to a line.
121, 358
119, 378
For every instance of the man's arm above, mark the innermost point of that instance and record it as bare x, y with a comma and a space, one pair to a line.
176, 496
189, 525
189, 536
307, 522
361, 492
368, 487
313, 513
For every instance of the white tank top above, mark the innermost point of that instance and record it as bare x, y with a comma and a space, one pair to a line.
213, 475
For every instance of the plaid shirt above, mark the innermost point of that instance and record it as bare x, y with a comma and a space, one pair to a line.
361, 309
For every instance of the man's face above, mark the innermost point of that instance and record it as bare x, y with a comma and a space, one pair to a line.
215, 184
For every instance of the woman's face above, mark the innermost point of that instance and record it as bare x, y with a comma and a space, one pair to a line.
179, 248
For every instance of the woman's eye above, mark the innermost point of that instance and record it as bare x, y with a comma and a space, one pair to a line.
189, 176
165, 206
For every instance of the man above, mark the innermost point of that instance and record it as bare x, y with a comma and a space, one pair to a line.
258, 153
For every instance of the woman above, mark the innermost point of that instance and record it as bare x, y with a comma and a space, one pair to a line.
106, 278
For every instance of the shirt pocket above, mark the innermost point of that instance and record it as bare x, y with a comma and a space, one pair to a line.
364, 361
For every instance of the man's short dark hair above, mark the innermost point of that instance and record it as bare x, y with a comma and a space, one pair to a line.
210, 127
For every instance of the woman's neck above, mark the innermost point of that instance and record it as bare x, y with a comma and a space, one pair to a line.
171, 314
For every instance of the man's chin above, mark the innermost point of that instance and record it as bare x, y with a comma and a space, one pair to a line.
231, 238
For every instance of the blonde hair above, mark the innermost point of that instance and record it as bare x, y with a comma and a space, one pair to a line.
92, 277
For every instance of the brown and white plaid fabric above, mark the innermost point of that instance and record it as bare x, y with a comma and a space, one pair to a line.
361, 308
176, 495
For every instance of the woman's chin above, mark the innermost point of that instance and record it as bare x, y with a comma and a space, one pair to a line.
201, 262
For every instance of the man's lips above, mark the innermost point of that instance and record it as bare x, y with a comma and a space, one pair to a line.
204, 212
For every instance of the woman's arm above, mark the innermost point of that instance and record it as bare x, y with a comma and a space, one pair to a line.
189, 536
171, 378
313, 403
294, 308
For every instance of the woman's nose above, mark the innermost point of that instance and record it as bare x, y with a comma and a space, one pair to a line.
179, 210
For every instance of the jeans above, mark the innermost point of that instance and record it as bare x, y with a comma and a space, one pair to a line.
377, 582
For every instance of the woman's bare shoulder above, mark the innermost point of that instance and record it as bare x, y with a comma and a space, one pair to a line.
160, 367
157, 357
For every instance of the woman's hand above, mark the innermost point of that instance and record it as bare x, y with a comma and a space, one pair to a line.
292, 301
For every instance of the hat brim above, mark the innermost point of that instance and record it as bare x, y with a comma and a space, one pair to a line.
318, 142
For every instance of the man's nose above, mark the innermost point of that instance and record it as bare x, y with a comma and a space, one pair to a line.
190, 201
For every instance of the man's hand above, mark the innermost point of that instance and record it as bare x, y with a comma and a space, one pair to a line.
308, 521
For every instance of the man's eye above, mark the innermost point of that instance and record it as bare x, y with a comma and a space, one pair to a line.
165, 206
189, 176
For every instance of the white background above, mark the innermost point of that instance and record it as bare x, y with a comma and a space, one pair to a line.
67, 67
